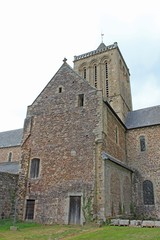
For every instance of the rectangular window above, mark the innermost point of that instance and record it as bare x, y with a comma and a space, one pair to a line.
10, 157
106, 77
34, 168
95, 76
84, 73
30, 209
142, 143
81, 100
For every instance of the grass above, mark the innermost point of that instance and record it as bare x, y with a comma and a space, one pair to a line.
33, 231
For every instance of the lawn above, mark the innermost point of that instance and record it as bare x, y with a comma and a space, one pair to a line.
32, 231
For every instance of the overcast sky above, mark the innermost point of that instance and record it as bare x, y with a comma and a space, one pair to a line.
36, 35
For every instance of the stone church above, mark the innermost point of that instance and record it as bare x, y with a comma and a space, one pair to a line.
83, 153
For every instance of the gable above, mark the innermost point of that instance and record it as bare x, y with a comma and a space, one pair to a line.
63, 89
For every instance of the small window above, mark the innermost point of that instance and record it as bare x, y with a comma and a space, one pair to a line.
116, 134
60, 89
34, 168
81, 100
148, 194
106, 78
84, 73
95, 76
30, 204
142, 143
10, 157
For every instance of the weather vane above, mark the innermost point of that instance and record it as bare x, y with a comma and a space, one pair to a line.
102, 37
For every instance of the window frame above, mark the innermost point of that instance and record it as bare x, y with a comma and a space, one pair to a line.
34, 168
142, 143
148, 193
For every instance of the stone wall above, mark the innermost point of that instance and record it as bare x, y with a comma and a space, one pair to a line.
114, 135
8, 185
118, 194
62, 134
146, 164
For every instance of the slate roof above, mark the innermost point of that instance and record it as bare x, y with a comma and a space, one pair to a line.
101, 46
10, 167
11, 138
143, 117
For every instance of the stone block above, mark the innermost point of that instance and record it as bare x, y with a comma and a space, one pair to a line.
133, 223
148, 224
157, 223
124, 222
13, 228
115, 222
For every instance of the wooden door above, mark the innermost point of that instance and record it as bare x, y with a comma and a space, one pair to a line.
75, 210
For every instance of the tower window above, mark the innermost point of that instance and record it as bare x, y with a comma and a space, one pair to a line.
10, 157
95, 76
142, 143
34, 168
84, 73
81, 100
106, 79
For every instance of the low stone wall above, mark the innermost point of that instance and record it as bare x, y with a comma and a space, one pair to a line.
135, 223
8, 184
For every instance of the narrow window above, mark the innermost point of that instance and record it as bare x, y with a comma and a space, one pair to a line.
10, 157
116, 134
84, 73
106, 79
60, 89
148, 194
142, 143
81, 100
95, 76
34, 168
30, 204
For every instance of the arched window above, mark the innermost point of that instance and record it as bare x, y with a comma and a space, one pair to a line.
34, 168
95, 76
142, 143
148, 193
106, 79
84, 73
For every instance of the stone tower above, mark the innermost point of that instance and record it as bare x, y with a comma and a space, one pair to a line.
106, 70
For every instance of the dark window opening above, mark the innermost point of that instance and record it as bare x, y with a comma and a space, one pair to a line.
95, 76
81, 100
106, 77
116, 135
30, 209
84, 73
75, 210
34, 168
60, 89
148, 194
142, 144
10, 157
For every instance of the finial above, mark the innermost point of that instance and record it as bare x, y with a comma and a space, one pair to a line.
102, 37
65, 60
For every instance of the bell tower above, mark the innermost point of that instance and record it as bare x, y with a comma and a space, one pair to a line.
106, 70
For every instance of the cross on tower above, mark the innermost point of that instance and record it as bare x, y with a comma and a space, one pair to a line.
102, 37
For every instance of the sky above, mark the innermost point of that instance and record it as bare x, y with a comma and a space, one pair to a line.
36, 35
